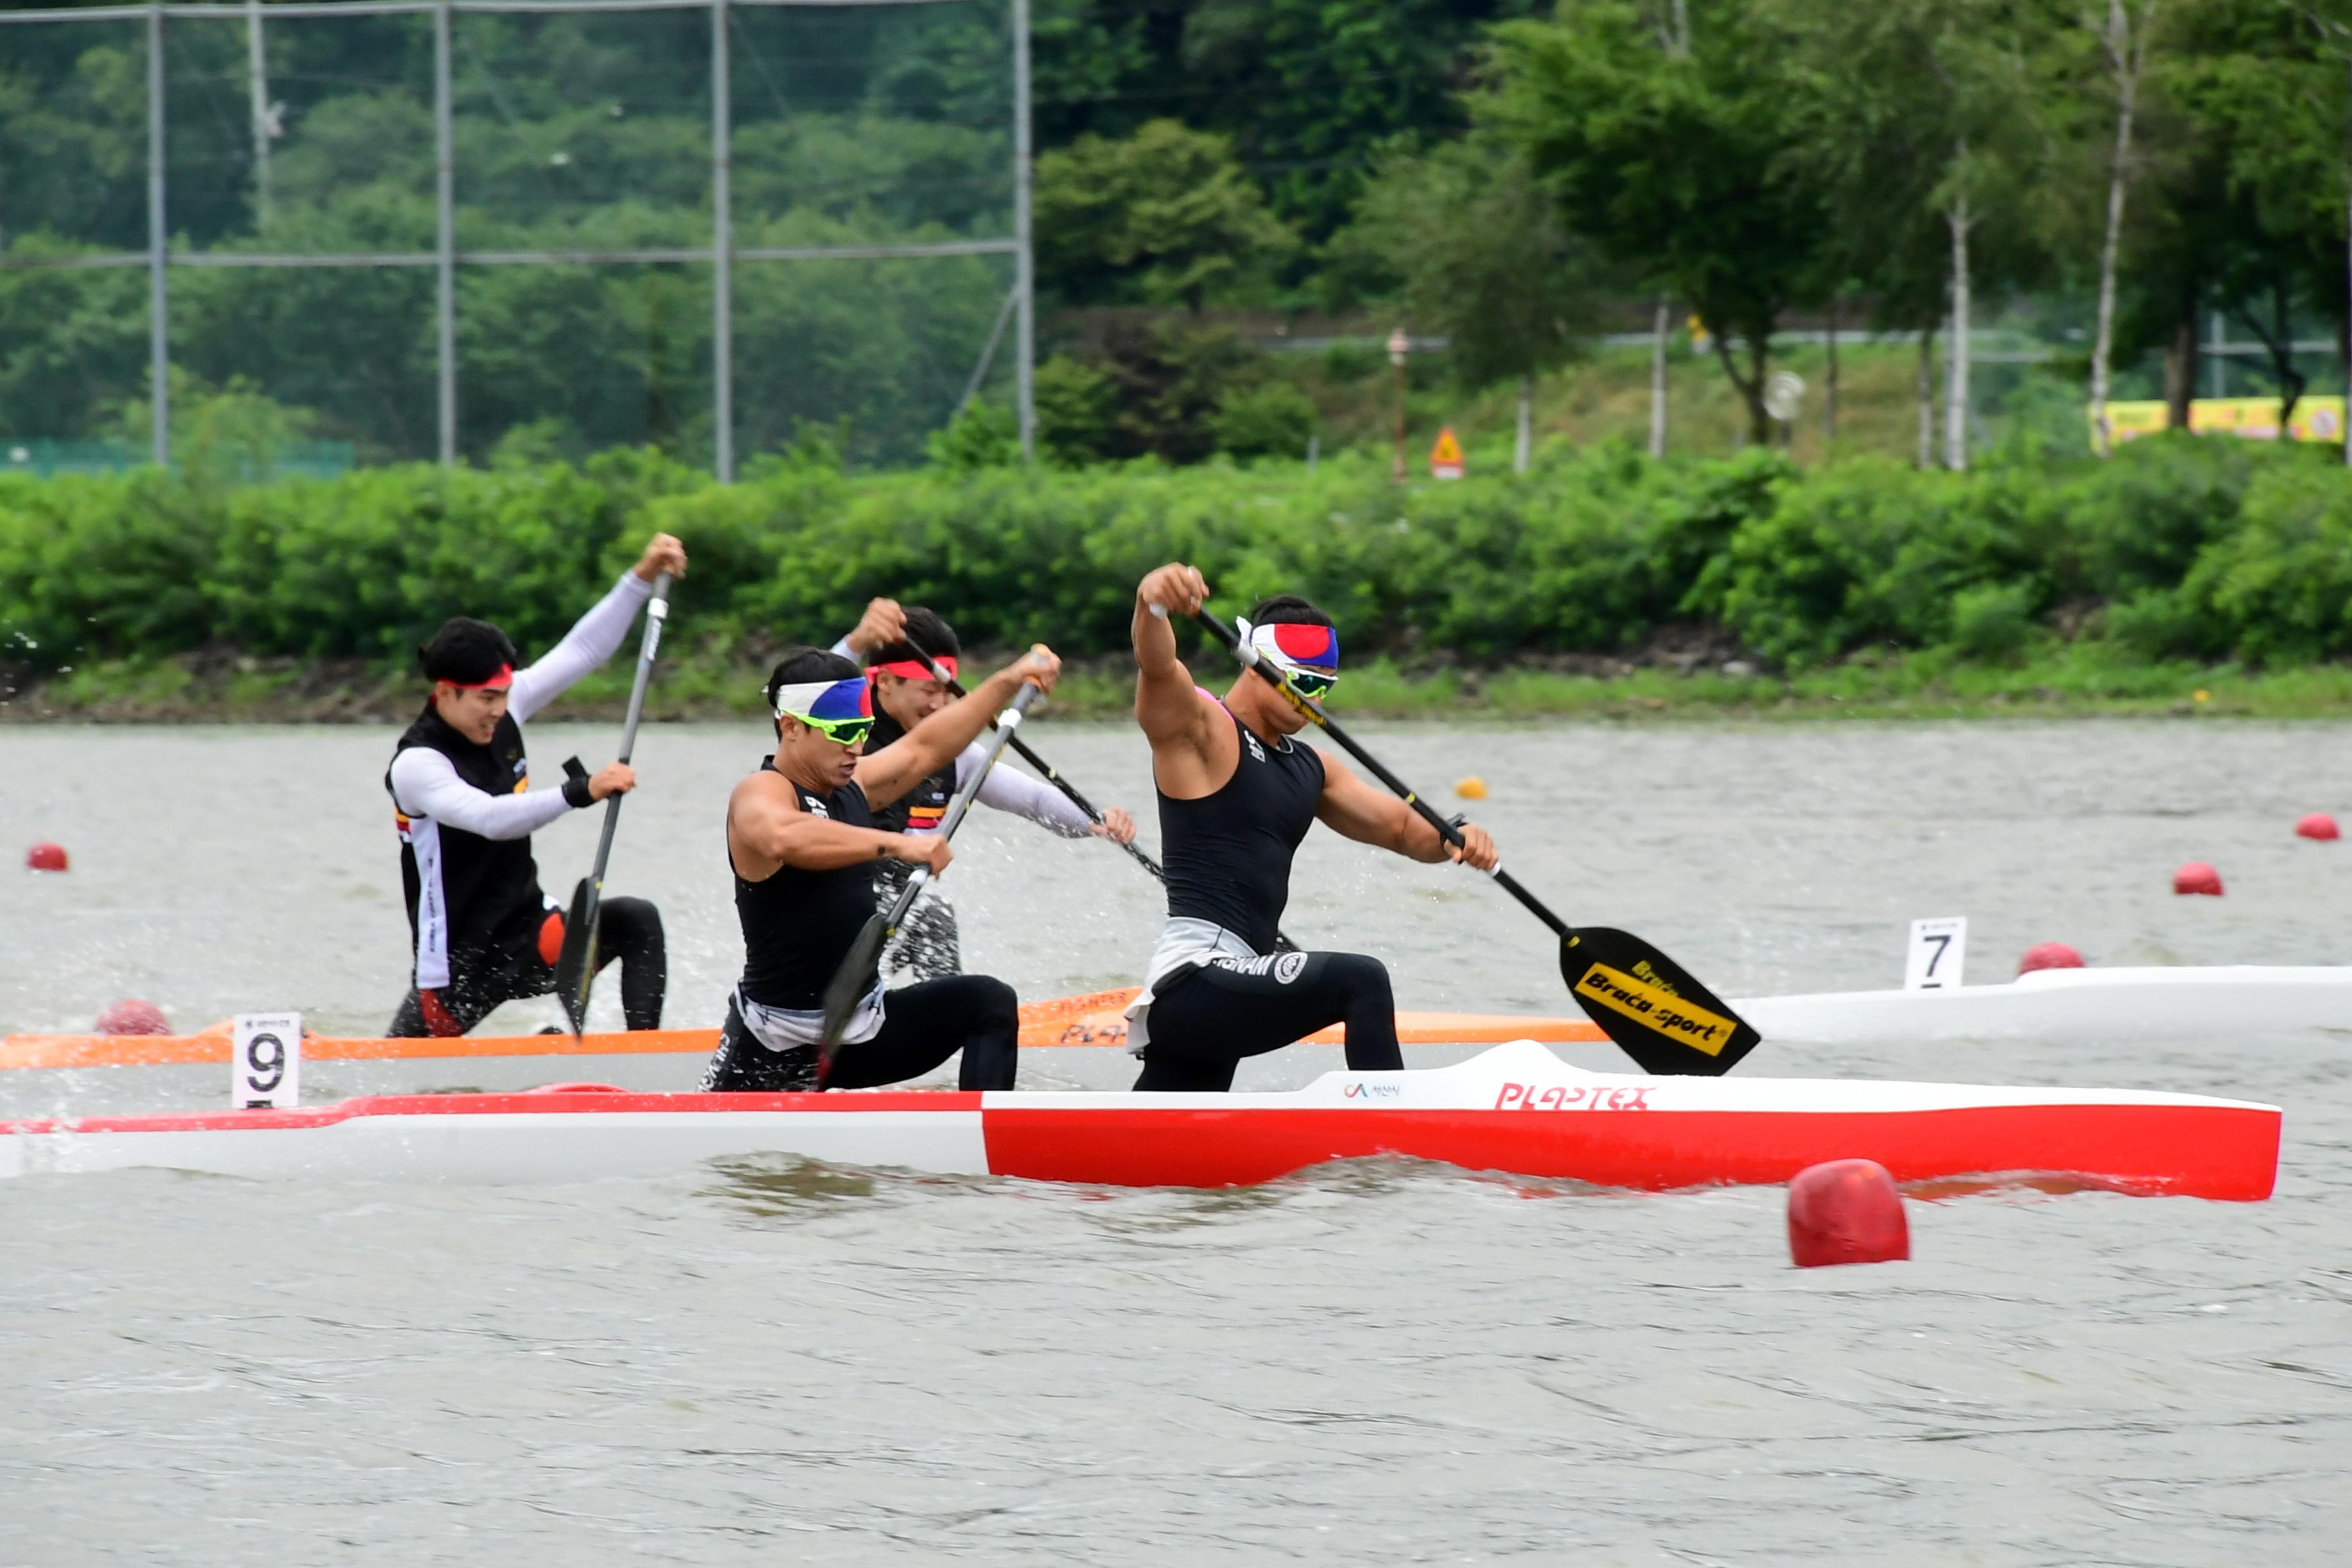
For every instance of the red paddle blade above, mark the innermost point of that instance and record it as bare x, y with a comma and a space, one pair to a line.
1649, 1004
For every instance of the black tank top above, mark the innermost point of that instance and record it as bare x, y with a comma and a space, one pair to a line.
1228, 854
489, 887
799, 925
920, 809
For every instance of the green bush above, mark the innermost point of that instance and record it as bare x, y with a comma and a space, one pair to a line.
1994, 622
2205, 550
1269, 421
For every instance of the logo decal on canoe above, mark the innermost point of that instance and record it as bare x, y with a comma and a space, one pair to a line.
1572, 1097
1643, 997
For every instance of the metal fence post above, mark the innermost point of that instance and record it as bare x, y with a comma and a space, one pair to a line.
257, 67
722, 248
444, 238
1025, 261
159, 320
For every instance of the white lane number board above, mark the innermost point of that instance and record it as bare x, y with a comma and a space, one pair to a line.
1939, 949
267, 1060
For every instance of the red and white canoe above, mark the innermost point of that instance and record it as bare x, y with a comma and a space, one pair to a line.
1514, 1109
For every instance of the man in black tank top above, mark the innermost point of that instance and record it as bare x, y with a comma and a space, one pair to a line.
1237, 794
801, 842
885, 641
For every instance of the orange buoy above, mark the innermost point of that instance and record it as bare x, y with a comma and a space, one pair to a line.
2049, 955
2318, 824
1472, 788
2197, 878
133, 1017
1846, 1211
46, 857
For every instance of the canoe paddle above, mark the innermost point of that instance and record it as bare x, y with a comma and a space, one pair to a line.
863, 966
1645, 1002
576, 966
1021, 749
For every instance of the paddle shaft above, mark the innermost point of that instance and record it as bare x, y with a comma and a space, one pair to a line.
1006, 723
657, 612
1020, 748
863, 962
1252, 660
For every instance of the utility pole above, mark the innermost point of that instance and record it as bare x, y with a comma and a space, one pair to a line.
1400, 348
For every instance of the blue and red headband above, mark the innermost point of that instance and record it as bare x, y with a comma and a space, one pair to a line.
825, 703
1291, 647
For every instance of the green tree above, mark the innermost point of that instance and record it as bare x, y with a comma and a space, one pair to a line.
1681, 168
1918, 124
1166, 213
1479, 254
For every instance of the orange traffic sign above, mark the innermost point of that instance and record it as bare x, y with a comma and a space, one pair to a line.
1446, 458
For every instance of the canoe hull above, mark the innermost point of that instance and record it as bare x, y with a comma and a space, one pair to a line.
1516, 1110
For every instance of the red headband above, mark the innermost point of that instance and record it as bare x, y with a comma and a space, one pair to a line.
912, 668
502, 676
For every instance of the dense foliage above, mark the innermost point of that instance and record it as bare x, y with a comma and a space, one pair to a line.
2175, 548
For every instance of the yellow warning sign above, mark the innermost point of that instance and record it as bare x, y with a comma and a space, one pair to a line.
1446, 458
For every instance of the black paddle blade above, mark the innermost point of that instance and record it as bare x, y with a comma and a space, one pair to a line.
1667, 1022
576, 966
851, 982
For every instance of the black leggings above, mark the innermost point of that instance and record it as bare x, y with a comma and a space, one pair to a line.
629, 930
1205, 1022
922, 1025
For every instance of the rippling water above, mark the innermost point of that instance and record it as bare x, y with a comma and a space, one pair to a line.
1371, 1362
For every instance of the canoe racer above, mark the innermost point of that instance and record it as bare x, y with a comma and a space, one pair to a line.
481, 929
905, 694
1237, 794
802, 843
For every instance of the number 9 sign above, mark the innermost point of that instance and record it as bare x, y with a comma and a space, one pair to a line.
266, 1061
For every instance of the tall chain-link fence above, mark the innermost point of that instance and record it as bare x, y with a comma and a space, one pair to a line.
477, 229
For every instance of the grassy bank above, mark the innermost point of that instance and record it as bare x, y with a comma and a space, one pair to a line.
710, 683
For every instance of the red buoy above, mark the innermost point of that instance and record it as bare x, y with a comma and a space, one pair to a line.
1846, 1211
2197, 878
133, 1018
2049, 955
46, 857
2318, 824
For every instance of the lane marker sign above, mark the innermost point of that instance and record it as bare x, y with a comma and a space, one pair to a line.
1938, 951
265, 1057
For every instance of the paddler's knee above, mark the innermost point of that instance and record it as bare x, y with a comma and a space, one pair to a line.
1357, 973
995, 1004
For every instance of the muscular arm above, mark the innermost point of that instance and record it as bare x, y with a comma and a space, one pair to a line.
887, 774
1356, 810
425, 783
767, 828
1193, 754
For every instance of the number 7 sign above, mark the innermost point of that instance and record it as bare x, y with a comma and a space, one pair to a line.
1940, 947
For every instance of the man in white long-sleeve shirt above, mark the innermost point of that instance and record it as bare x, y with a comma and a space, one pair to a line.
904, 693
484, 932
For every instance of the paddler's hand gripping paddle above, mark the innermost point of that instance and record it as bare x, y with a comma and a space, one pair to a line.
854, 980
1021, 749
576, 966
1645, 1002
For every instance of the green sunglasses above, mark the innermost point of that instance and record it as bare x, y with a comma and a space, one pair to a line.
1313, 683
842, 731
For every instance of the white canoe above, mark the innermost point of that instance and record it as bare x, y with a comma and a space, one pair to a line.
1516, 1108
2144, 1005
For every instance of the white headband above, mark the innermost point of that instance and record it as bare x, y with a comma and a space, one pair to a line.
800, 701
